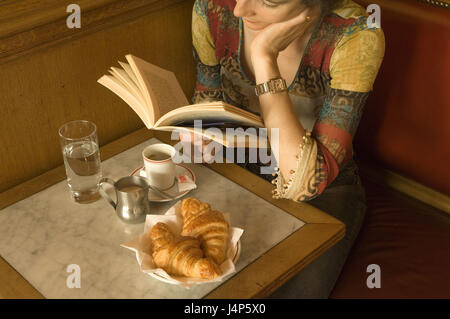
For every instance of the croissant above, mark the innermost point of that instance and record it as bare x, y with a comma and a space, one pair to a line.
182, 257
209, 226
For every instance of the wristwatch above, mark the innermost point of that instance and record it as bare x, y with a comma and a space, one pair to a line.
274, 85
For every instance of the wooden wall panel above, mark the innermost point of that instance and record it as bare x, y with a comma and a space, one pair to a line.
44, 88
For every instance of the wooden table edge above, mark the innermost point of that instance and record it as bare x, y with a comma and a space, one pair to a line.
326, 229
268, 272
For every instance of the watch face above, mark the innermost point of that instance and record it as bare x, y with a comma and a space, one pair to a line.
278, 85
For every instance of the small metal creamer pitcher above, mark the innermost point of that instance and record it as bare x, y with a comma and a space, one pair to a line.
132, 198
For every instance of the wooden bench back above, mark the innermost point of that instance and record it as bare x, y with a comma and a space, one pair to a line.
49, 72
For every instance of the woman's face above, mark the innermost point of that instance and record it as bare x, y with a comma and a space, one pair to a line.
257, 14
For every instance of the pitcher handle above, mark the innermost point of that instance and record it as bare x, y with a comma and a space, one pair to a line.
102, 191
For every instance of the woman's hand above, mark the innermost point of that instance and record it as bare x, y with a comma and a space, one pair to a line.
276, 37
198, 142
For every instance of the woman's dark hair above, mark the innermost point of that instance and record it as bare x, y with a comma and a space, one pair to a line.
326, 6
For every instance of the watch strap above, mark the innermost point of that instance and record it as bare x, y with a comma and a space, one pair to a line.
274, 85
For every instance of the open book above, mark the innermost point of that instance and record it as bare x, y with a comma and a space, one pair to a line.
157, 98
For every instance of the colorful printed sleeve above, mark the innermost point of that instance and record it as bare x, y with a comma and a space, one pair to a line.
208, 84
353, 68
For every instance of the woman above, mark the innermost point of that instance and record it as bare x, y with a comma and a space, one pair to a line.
328, 57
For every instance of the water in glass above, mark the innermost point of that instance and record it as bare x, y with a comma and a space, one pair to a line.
82, 162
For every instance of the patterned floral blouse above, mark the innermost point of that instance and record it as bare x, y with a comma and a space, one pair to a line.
328, 93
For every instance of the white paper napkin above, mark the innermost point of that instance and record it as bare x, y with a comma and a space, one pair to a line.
141, 245
185, 182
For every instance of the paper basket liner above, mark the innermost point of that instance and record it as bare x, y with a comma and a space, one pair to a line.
141, 245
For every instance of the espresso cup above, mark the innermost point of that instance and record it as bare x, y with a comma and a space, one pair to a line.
159, 165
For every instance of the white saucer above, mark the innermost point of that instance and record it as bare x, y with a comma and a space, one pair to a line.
173, 191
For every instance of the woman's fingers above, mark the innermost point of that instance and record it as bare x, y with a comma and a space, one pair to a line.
192, 138
299, 23
300, 18
186, 136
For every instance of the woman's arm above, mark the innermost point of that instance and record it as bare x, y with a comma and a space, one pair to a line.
208, 84
308, 165
277, 109
278, 112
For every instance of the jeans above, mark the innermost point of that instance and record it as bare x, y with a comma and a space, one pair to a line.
345, 200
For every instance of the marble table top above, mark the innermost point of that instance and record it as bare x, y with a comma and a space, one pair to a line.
43, 234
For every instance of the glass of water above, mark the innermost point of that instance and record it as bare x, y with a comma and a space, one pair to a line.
81, 154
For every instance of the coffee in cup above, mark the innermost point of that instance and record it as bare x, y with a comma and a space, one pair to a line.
159, 165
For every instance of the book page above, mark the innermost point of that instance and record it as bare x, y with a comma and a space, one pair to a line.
129, 71
162, 89
249, 139
217, 111
123, 77
117, 87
